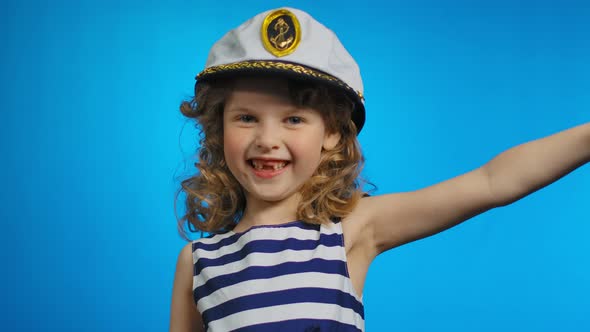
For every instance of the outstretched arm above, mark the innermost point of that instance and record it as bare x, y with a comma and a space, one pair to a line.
526, 168
395, 219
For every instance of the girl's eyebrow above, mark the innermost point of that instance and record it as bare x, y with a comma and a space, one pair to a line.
238, 109
302, 111
286, 110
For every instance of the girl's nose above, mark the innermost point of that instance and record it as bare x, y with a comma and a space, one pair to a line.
267, 138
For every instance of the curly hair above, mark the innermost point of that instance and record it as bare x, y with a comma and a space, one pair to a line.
215, 201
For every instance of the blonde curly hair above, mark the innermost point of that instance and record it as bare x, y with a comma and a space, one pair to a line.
215, 201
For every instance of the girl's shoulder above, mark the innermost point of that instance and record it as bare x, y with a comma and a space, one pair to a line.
184, 313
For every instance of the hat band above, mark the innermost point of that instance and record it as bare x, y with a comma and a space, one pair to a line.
276, 65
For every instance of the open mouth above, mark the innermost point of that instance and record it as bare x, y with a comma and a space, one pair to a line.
269, 165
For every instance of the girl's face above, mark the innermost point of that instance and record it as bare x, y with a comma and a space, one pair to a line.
271, 147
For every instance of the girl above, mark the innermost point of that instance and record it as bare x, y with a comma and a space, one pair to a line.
292, 233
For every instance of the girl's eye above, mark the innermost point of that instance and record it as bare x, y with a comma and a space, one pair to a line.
294, 120
246, 118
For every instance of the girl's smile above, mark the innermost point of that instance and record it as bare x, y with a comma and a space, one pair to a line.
268, 168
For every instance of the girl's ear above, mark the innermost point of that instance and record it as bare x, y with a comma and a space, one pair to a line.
330, 140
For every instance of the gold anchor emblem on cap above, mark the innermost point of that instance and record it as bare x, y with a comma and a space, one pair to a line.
281, 32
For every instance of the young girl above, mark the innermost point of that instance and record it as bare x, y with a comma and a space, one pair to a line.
292, 233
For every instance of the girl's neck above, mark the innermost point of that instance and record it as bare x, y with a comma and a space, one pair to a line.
259, 212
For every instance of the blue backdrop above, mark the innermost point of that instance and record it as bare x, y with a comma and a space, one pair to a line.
93, 144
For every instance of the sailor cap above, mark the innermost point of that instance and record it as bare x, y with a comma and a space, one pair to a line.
288, 42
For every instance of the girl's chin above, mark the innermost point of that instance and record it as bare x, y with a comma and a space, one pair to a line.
271, 197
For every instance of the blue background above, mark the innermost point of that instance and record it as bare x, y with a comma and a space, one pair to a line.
93, 146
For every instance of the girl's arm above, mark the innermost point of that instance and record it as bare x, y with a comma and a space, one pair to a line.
184, 316
395, 219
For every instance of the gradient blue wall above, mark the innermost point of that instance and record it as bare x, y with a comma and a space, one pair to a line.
92, 144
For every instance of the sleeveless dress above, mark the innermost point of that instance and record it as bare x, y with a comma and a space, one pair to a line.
288, 277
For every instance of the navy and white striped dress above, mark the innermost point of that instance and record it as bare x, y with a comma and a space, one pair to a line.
289, 277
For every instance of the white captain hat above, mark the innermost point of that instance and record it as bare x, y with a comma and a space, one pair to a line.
289, 42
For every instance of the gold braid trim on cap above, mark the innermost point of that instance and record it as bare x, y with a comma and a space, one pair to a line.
273, 65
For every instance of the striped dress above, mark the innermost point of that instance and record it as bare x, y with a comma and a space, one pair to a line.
288, 277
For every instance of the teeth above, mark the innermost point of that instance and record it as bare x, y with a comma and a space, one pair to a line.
256, 164
276, 165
